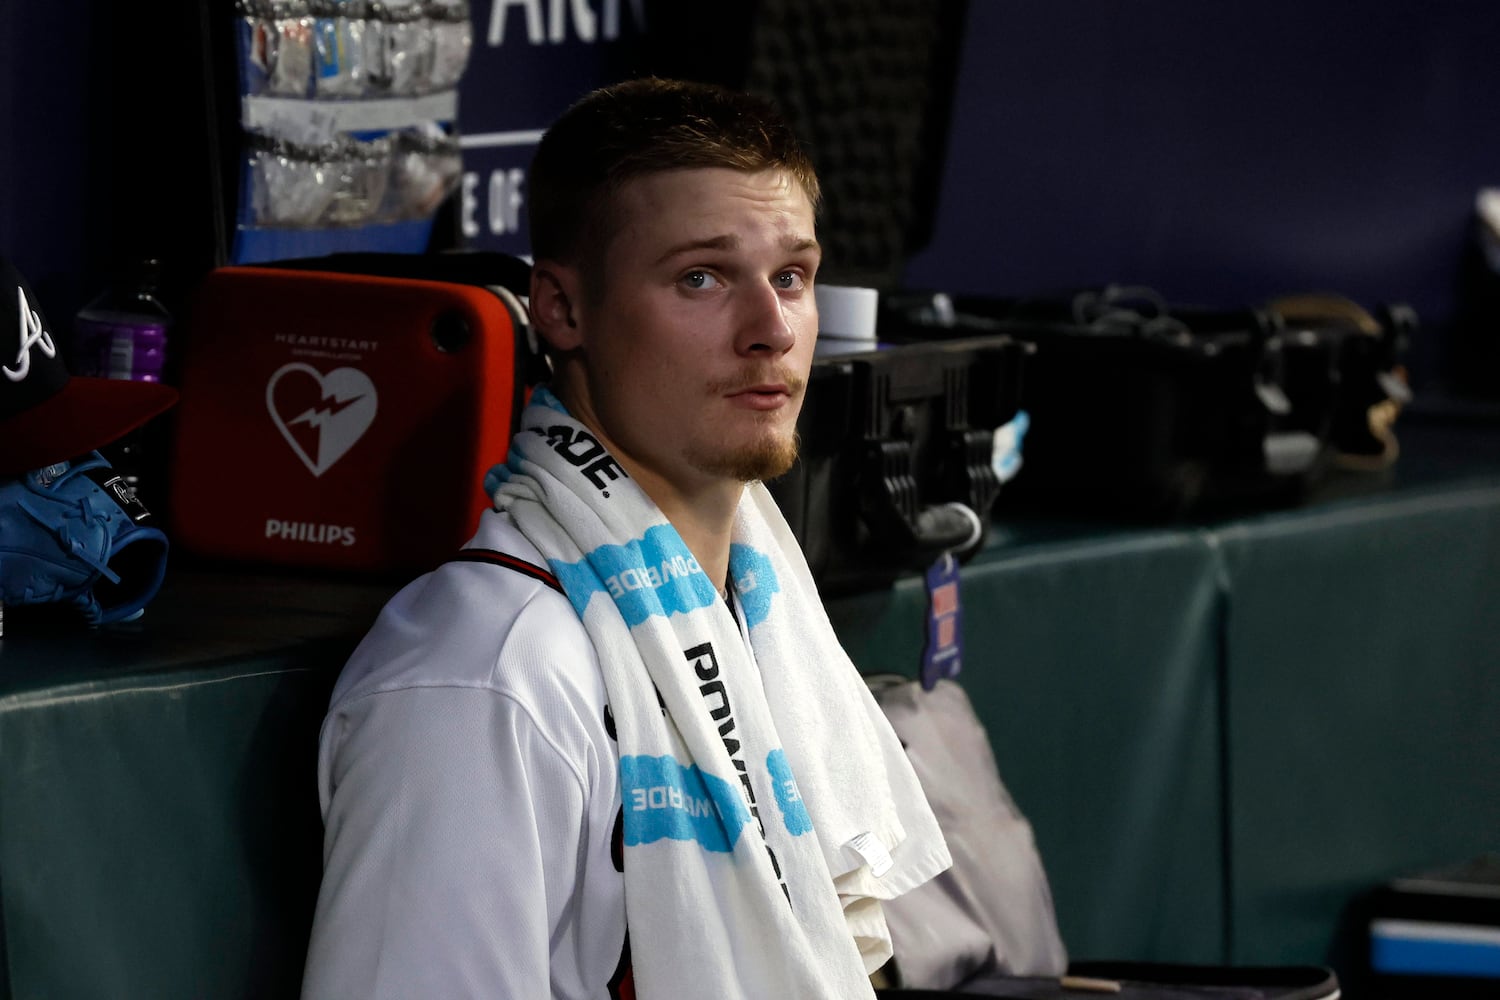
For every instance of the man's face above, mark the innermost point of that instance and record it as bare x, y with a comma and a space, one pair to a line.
696, 348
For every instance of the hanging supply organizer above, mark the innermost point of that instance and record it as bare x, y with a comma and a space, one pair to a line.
348, 110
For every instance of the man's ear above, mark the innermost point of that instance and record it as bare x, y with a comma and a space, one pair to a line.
555, 288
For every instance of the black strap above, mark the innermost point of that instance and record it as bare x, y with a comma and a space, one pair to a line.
496, 558
732, 604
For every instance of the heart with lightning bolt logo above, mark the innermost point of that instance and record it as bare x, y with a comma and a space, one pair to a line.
320, 415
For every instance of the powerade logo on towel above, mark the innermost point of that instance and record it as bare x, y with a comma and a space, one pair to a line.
584, 452
664, 800
653, 575
755, 582
788, 797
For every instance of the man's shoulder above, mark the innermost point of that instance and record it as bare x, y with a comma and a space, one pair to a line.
478, 624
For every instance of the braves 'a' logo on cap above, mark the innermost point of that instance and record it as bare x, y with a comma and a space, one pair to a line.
321, 416
33, 334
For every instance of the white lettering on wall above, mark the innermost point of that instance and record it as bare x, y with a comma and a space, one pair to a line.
548, 24
500, 12
583, 20
468, 204
506, 200
501, 211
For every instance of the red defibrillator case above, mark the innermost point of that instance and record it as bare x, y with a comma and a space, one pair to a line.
342, 420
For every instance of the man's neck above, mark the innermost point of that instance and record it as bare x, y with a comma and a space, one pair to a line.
702, 511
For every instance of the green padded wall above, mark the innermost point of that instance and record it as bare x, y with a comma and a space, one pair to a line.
156, 835
1363, 664
159, 831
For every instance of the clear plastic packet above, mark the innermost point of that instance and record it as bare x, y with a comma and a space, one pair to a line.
452, 40
361, 169
290, 185
339, 30
258, 53
426, 167
377, 72
289, 74
260, 29
407, 47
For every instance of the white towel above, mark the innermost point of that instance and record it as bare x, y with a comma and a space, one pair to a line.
761, 793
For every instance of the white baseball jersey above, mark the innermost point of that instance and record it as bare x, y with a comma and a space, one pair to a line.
470, 793
469, 782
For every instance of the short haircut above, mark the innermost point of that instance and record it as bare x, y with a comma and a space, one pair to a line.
645, 127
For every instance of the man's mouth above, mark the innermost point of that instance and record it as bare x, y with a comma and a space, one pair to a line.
764, 389
780, 384
761, 397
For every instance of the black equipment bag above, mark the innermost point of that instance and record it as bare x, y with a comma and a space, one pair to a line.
897, 456
1343, 373
1141, 408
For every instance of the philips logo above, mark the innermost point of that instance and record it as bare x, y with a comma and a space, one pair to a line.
316, 534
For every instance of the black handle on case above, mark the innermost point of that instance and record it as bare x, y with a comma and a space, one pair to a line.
948, 527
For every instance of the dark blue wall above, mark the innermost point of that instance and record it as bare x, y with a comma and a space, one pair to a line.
1219, 152
1222, 153
50, 152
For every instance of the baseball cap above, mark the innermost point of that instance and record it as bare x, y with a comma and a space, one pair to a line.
46, 414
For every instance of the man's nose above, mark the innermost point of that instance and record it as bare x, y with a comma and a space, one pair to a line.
763, 322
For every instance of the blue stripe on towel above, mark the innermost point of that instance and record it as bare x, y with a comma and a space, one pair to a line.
663, 799
652, 575
788, 797
754, 581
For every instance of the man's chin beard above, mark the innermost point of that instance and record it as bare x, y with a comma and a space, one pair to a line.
765, 459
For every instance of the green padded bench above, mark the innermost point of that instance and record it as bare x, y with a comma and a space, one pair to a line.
159, 828
1222, 733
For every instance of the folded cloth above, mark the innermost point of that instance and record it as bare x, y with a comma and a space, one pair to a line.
767, 804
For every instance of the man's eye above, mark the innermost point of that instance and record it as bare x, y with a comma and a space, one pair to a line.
699, 280
789, 281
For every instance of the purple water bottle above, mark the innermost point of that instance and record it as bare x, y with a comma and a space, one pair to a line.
123, 334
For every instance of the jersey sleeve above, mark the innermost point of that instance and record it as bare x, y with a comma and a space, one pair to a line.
453, 826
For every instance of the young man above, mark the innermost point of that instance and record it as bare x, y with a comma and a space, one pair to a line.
617, 750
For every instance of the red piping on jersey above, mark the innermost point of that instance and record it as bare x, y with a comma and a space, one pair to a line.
495, 558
